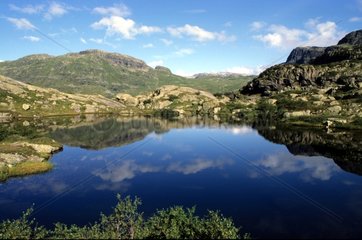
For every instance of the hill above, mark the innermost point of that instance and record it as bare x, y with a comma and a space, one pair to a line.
18, 99
105, 73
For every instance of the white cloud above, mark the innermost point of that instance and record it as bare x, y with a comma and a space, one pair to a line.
96, 40
257, 25
317, 33
21, 23
55, 10
184, 52
1, 60
167, 42
247, 71
156, 63
199, 34
355, 19
120, 10
83, 40
188, 74
148, 45
32, 38
125, 27
28, 9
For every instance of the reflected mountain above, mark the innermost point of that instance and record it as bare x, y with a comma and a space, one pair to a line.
120, 131
345, 148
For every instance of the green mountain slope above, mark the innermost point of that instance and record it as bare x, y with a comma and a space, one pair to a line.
99, 72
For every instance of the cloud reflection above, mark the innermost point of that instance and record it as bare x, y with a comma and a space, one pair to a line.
310, 168
129, 169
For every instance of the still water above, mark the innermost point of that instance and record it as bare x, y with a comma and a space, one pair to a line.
273, 182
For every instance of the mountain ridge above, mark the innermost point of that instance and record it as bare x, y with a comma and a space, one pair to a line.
101, 72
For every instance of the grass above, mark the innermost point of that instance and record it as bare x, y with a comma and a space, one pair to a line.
28, 168
24, 169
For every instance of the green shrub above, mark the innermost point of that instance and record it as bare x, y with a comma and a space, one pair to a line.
127, 223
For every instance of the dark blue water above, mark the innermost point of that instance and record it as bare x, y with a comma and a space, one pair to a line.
260, 184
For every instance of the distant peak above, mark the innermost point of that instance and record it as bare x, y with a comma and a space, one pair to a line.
352, 38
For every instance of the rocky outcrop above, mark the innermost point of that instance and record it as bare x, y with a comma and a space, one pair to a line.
183, 100
352, 38
304, 55
338, 67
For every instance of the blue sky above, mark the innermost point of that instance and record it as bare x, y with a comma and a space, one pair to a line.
188, 36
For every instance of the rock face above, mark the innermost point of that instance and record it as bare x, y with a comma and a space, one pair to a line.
352, 38
337, 66
304, 55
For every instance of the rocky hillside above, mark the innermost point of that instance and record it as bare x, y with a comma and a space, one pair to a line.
338, 67
170, 100
100, 72
18, 99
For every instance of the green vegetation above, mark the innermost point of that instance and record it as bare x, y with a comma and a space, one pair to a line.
97, 72
24, 169
126, 222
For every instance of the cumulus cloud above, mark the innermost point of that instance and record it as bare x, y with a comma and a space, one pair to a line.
126, 28
148, 45
316, 33
199, 34
28, 9
184, 52
21, 23
55, 10
31, 38
247, 71
156, 63
120, 10
257, 25
83, 40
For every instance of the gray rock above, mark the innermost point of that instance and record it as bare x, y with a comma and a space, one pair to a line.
304, 55
352, 38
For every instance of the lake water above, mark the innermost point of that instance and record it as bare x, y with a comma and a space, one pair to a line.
273, 182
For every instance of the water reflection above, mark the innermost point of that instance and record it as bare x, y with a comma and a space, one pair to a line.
174, 162
308, 168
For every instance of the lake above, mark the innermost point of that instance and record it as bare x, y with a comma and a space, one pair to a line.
273, 181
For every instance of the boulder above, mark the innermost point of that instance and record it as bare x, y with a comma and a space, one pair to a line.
26, 107
127, 99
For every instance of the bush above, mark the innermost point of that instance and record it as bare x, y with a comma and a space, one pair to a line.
127, 223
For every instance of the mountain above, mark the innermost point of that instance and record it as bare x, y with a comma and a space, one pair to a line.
105, 73
339, 67
18, 99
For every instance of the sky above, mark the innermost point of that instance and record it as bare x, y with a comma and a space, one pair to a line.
188, 36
